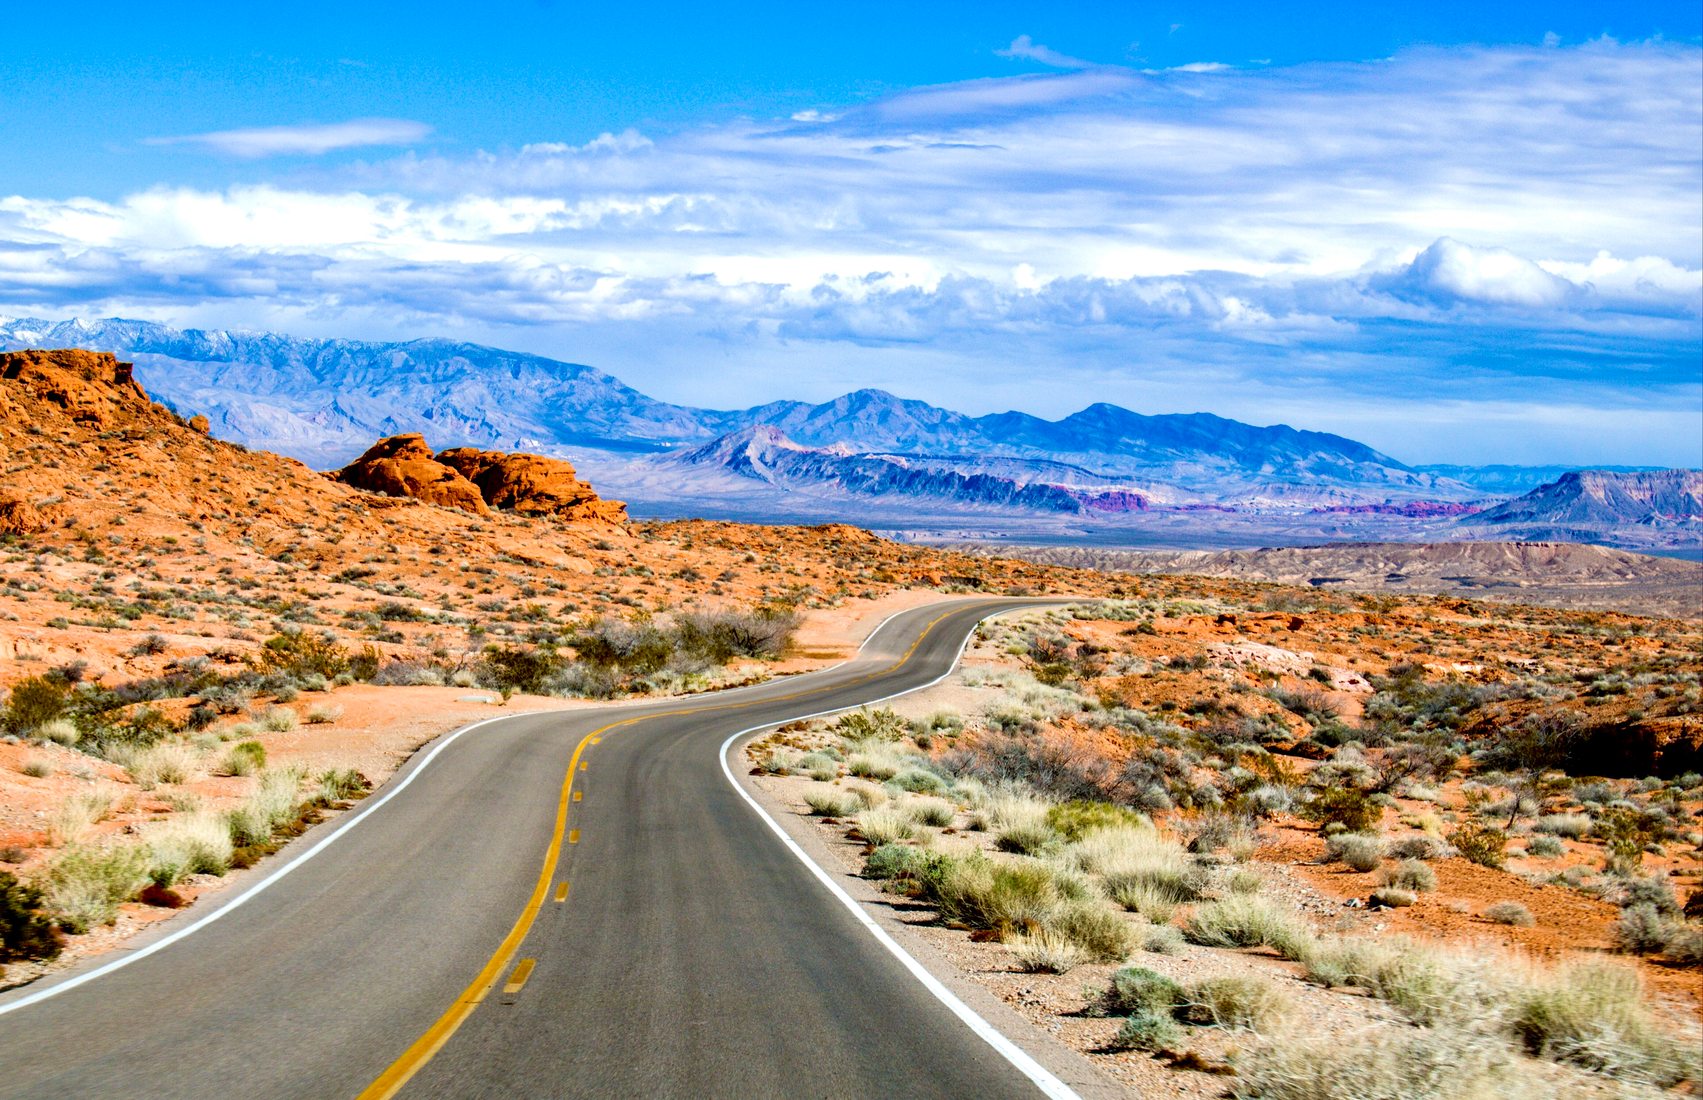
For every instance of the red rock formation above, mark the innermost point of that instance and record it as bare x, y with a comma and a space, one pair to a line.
532, 485
403, 466
478, 481
90, 387
18, 516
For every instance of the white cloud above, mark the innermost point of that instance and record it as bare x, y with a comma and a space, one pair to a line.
310, 140
1529, 213
1024, 48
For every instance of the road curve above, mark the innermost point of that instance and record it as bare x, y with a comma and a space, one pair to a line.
690, 953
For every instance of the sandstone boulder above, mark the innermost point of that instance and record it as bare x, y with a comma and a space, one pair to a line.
19, 517
532, 485
403, 466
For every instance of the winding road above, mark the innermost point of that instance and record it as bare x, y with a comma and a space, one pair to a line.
552, 905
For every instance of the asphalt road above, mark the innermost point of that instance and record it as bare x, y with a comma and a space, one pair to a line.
691, 955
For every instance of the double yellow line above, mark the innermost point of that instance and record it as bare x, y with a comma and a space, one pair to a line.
423, 1049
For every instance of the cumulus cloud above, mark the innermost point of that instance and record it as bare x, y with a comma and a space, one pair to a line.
1442, 218
308, 140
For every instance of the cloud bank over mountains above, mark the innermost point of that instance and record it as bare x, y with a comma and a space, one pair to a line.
1449, 241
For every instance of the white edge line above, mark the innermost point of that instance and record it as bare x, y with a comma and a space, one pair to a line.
1025, 1063
248, 894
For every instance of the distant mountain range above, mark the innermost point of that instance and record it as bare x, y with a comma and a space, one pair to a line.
868, 455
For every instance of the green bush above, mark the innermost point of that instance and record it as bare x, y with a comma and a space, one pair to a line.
1348, 807
301, 652
1148, 1031
1481, 844
1136, 989
1360, 851
1247, 920
85, 886
1247, 1003
26, 931
1076, 819
32, 703
524, 669
872, 725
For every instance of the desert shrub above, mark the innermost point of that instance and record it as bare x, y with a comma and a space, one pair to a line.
931, 811
917, 869
827, 801
167, 762
1076, 819
1685, 944
1161, 939
26, 931
61, 731
1545, 847
1101, 934
1642, 930
418, 672
1245, 882
1025, 838
1568, 825
1360, 851
78, 814
524, 669
273, 803
1246, 1003
918, 780
1006, 897
1346, 806
1248, 921
1652, 890
278, 720
245, 758
874, 762
1418, 846
187, 844
719, 636
1046, 952
1510, 913
883, 724
38, 767
1136, 989
321, 714
1594, 1014
885, 826
1383, 1063
85, 886
298, 652
1410, 874
340, 784
32, 703
1147, 1031
1481, 844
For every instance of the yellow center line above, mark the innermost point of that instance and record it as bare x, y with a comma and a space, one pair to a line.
577, 794
522, 971
561, 892
423, 1049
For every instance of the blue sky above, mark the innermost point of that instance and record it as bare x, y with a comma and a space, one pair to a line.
1458, 232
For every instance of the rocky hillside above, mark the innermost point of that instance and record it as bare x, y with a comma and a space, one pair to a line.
1597, 499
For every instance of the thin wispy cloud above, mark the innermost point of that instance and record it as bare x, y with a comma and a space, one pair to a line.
1385, 243
1024, 48
310, 140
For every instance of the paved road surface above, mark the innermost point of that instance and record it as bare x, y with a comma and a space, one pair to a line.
693, 955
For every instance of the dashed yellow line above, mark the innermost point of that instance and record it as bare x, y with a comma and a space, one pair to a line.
577, 794
423, 1049
561, 892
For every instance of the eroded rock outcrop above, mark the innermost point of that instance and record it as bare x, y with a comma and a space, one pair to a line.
89, 387
19, 517
479, 481
532, 485
403, 466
